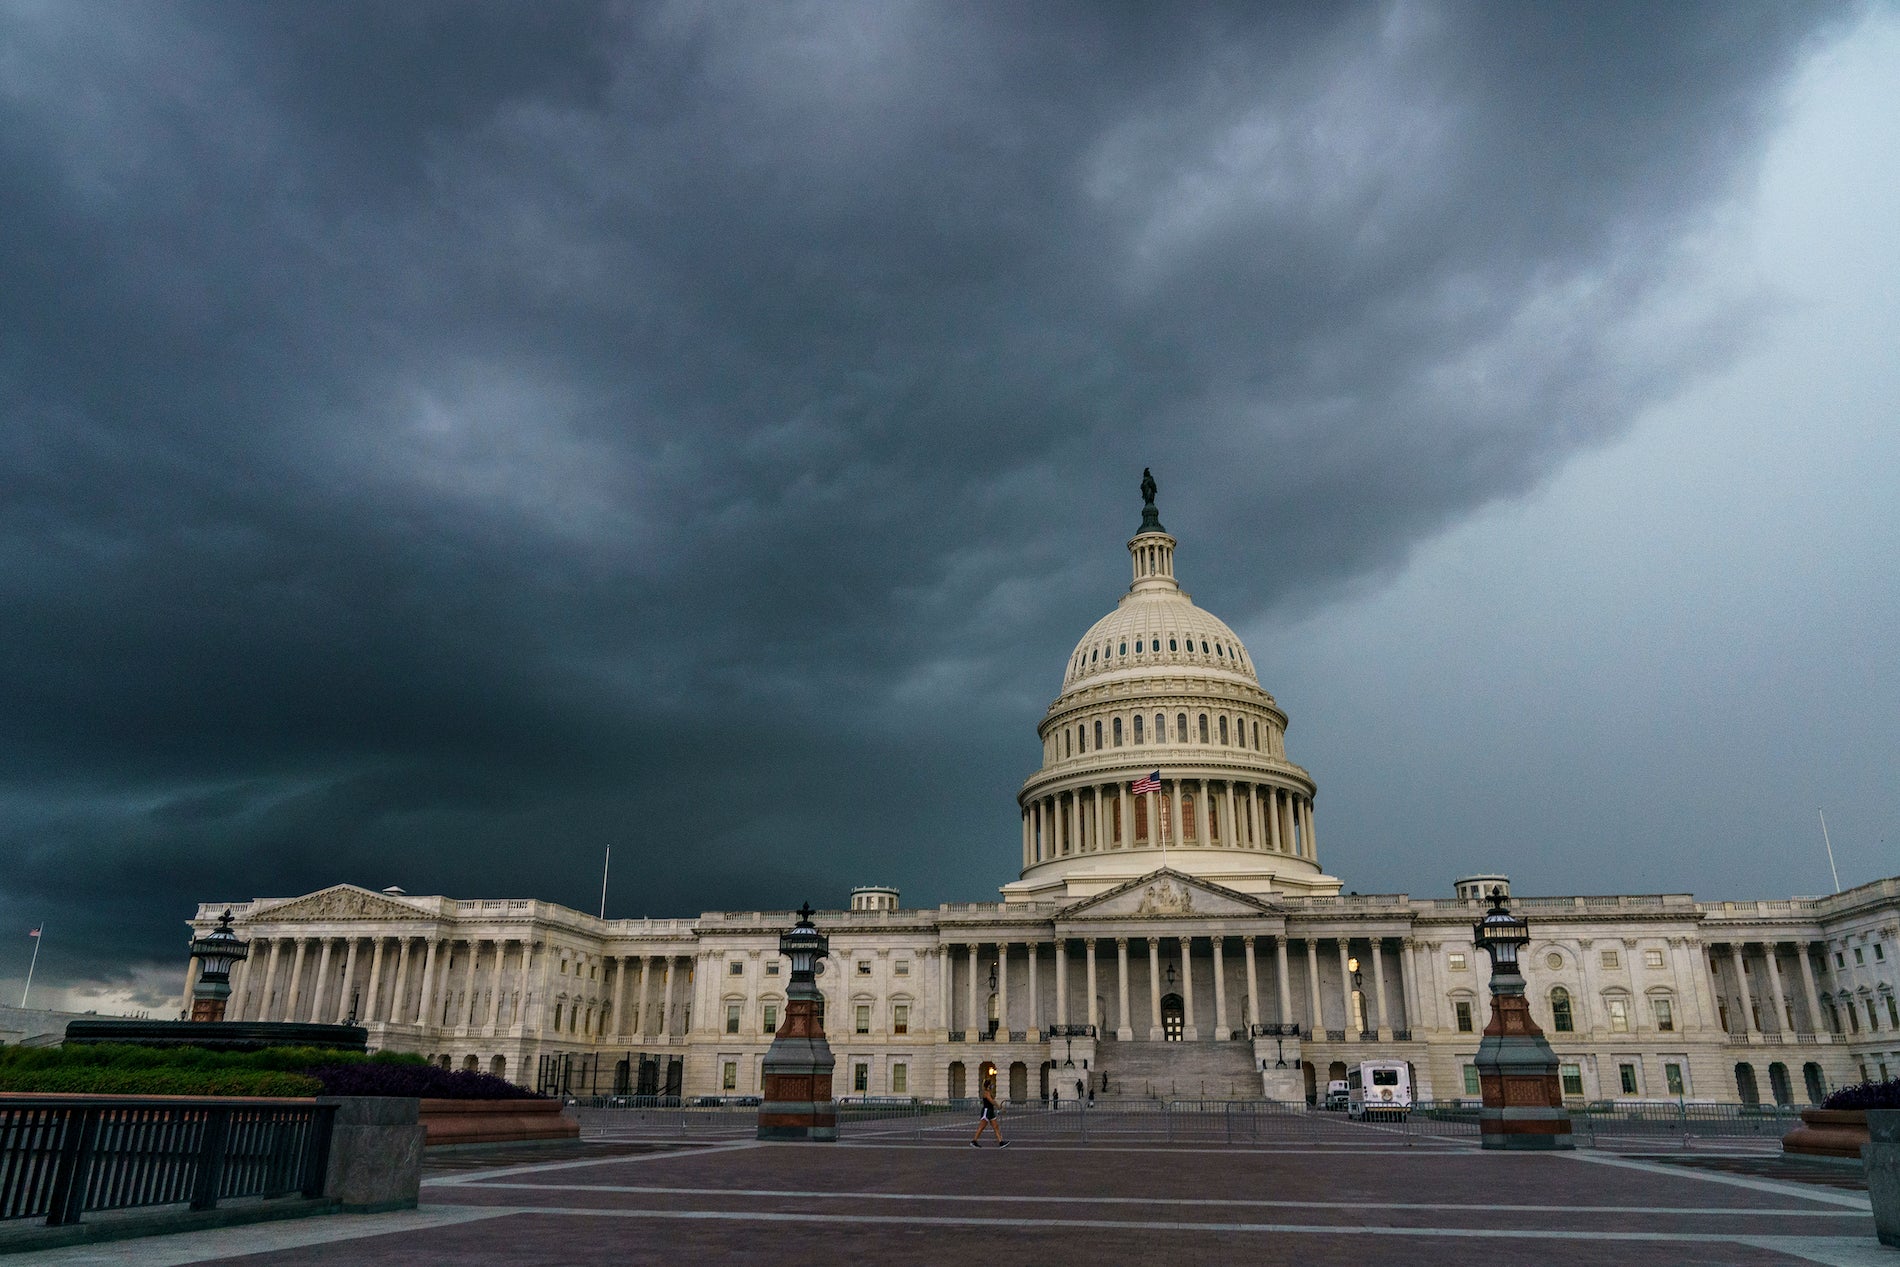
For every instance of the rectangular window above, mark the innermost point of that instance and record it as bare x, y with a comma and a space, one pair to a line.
860, 1077
864, 1018
900, 1079
1471, 1081
864, 967
1628, 1073
900, 1019
1840, 960
903, 968
1463, 1009
1665, 1016
732, 1018
1873, 1018
1611, 959
1572, 1076
1893, 1012
771, 1018
1672, 1074
1880, 953
771, 969
1619, 1015
1456, 960
729, 1076
1860, 956
736, 968
1652, 959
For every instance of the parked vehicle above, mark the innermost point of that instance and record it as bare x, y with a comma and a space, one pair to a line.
1379, 1088
1336, 1096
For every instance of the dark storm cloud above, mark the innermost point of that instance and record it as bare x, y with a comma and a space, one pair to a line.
440, 441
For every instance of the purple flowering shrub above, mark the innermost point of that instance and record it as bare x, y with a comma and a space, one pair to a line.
428, 1082
1866, 1095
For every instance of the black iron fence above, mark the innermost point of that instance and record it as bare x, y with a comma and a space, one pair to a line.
60, 1158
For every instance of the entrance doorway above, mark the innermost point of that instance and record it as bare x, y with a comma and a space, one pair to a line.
1172, 1023
986, 1076
1811, 1074
957, 1089
1779, 1083
1018, 1082
1745, 1083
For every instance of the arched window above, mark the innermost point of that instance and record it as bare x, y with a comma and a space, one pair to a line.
1219, 651
1137, 727
1141, 816
1068, 749
1098, 736
1256, 736
1161, 728
1093, 655
1118, 731
1203, 727
1187, 819
1124, 649
1137, 646
1223, 730
1173, 645
1560, 1019
1180, 728
1081, 737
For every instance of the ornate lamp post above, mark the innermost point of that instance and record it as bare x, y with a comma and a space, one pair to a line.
216, 951
1517, 1071
797, 1103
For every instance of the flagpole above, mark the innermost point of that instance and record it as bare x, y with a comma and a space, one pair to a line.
34, 964
603, 880
1830, 852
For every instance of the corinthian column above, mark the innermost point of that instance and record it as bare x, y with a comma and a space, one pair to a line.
1124, 1029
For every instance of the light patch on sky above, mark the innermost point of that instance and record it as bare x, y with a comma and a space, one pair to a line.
1725, 571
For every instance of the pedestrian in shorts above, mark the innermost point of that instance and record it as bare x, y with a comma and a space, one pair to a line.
989, 1119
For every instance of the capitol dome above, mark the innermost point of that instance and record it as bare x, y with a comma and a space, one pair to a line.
1164, 749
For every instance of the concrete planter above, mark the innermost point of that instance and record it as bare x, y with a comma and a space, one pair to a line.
375, 1154
1828, 1133
1882, 1163
496, 1121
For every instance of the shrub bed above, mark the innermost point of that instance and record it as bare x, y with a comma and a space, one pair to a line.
1865, 1095
129, 1069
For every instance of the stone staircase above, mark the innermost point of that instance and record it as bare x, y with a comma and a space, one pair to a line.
1176, 1071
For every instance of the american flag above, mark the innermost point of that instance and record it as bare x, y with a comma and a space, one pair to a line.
1150, 784
32, 932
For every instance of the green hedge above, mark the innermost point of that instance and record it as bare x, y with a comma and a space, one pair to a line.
128, 1069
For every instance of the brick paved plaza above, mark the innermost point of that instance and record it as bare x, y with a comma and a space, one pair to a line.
636, 1196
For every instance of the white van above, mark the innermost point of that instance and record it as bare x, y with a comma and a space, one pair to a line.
1379, 1088
1335, 1096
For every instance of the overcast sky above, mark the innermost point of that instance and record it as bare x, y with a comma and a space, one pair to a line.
438, 442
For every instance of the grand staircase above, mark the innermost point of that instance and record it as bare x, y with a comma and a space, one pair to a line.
1175, 1071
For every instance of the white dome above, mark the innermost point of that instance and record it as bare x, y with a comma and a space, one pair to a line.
1159, 630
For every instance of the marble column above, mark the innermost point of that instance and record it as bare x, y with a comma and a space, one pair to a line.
1095, 1019
1062, 982
1280, 980
1312, 837
1312, 989
315, 1012
1174, 828
974, 1025
1124, 1028
1221, 1032
240, 982
1816, 1024
1002, 989
1253, 984
1231, 834
290, 1010
1408, 985
348, 983
371, 1012
1152, 811
465, 1013
496, 988
1202, 835
266, 1004
1035, 991
399, 991
1154, 990
1377, 946
1101, 830
1073, 823
1124, 828
1782, 1023
946, 987
1273, 819
1027, 859
1735, 948
1345, 985
1188, 1029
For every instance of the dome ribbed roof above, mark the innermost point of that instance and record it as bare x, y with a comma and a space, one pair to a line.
1159, 631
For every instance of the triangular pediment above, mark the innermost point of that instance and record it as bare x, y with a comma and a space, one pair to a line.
339, 901
1166, 894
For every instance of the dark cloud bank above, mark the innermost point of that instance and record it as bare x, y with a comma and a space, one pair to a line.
437, 442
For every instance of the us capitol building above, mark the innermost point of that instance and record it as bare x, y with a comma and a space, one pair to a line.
1173, 936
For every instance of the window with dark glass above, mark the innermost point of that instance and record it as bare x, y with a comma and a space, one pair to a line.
1118, 731
1137, 727
1203, 727
1560, 1011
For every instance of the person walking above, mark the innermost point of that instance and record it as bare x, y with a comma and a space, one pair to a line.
989, 1118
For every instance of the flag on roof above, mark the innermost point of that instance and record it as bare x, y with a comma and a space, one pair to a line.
1151, 783
32, 932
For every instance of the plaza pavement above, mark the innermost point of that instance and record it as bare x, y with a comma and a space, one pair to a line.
637, 1196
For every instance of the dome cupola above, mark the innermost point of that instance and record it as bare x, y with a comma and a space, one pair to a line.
1159, 687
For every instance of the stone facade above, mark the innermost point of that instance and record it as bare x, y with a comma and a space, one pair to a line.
1193, 918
